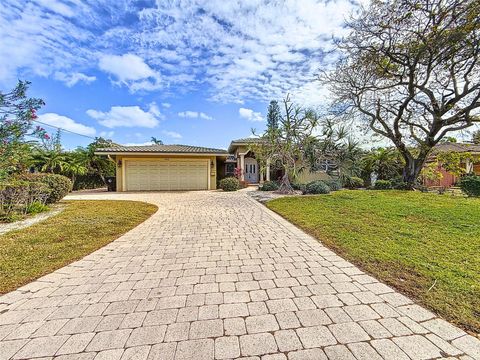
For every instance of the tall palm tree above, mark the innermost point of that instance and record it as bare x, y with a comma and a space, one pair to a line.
76, 164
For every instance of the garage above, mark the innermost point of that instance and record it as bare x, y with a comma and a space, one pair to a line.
166, 174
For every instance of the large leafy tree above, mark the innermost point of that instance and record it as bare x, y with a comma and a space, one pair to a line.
410, 70
17, 112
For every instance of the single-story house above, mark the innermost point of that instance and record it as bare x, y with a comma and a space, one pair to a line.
471, 165
185, 167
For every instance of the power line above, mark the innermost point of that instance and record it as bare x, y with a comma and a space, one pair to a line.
62, 129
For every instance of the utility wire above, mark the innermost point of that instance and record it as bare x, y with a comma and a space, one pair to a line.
62, 129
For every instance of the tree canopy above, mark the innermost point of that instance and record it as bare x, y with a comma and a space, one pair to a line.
410, 71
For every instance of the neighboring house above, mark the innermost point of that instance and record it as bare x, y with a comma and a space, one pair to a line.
184, 167
471, 165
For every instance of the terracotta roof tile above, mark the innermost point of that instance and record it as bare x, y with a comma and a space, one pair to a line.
176, 149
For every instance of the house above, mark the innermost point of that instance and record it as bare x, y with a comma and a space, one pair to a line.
471, 165
185, 167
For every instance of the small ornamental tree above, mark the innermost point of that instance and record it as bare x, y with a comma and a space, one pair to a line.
17, 112
285, 144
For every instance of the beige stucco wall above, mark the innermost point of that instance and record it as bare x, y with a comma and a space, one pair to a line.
119, 172
305, 176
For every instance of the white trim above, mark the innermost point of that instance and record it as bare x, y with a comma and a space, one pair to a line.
131, 153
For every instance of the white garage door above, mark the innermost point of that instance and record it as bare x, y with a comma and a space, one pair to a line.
166, 174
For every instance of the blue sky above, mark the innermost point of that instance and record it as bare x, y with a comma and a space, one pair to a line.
189, 72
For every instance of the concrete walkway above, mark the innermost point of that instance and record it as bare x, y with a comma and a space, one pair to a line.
216, 275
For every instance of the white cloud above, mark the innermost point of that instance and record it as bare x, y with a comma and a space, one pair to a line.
126, 116
195, 115
172, 134
166, 105
236, 50
66, 123
250, 115
130, 70
73, 78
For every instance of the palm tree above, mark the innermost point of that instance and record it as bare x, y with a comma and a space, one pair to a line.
386, 163
76, 164
51, 161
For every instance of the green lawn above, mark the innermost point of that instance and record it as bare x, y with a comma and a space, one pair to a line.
407, 239
83, 227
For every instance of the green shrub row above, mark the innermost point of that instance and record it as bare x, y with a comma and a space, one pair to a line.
30, 194
470, 185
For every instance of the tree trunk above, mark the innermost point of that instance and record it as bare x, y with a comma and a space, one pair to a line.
412, 169
285, 186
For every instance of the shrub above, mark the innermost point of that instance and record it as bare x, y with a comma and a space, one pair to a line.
399, 184
88, 181
470, 185
333, 184
59, 186
382, 185
229, 184
269, 186
13, 198
317, 187
298, 186
354, 183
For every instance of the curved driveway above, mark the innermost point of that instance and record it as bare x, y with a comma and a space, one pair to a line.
216, 275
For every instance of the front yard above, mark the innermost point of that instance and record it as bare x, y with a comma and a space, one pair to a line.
83, 227
425, 245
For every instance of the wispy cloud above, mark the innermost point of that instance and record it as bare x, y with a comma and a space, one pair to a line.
66, 123
194, 115
172, 134
126, 116
238, 50
250, 115
73, 78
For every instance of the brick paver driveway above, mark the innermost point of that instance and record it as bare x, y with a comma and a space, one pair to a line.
218, 276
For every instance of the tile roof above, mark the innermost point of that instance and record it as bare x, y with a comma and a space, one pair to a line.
457, 147
171, 149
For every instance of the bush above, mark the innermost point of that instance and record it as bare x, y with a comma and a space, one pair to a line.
354, 183
300, 187
229, 184
19, 197
59, 186
317, 187
333, 184
382, 185
89, 181
269, 186
470, 185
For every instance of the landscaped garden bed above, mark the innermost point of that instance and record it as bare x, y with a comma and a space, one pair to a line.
81, 228
425, 245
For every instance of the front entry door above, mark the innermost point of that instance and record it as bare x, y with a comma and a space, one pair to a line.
251, 171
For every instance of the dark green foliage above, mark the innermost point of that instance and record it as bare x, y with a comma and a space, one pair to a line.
301, 187
269, 186
383, 185
354, 183
470, 185
59, 186
317, 187
333, 184
273, 116
88, 181
229, 184
399, 184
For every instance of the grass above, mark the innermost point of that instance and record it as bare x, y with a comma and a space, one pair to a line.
83, 227
409, 240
